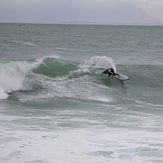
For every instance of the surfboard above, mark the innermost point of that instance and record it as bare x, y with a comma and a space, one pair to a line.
122, 77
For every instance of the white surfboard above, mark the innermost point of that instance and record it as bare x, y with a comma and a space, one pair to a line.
122, 77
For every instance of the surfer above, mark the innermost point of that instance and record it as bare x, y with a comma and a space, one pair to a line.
110, 72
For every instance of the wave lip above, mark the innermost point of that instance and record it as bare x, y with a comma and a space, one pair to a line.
53, 66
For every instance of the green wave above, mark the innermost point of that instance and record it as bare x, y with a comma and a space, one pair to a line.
53, 67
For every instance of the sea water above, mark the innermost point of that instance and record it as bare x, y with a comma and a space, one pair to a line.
56, 107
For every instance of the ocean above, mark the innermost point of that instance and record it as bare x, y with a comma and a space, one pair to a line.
56, 107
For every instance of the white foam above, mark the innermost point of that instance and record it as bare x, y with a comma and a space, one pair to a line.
83, 145
3, 94
12, 75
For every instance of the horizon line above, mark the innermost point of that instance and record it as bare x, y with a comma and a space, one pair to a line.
85, 23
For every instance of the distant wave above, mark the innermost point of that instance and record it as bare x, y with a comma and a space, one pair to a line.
25, 43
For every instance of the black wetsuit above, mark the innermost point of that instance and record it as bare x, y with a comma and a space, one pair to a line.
109, 71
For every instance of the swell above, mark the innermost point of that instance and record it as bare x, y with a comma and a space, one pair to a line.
149, 76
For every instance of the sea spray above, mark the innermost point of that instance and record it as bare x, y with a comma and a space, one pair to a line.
12, 76
95, 64
99, 62
3, 94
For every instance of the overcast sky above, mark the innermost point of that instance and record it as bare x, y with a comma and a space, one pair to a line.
93, 11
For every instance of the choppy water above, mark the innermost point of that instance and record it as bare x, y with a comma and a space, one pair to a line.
55, 106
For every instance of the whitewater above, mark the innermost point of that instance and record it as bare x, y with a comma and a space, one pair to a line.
55, 106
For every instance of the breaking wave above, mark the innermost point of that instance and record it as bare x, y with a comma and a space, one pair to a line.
50, 76
54, 77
